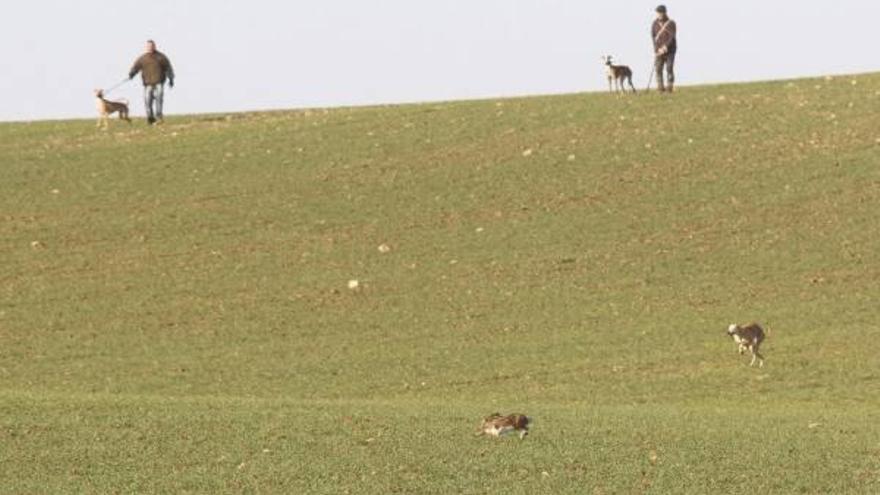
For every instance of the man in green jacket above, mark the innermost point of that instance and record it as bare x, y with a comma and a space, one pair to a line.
155, 69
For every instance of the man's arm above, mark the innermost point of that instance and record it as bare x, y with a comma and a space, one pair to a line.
135, 68
656, 33
673, 31
169, 70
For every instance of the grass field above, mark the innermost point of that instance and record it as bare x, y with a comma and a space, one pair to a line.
175, 315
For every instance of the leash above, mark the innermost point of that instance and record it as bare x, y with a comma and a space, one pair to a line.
120, 83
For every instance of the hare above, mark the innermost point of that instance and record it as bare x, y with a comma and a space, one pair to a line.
497, 425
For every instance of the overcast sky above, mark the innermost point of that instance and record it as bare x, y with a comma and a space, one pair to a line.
266, 54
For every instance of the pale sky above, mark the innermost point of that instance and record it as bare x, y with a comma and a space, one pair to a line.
271, 54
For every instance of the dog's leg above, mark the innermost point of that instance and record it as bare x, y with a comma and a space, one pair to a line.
630, 79
759, 356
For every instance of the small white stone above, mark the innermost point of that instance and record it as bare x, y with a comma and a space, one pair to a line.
384, 248
353, 284
527, 153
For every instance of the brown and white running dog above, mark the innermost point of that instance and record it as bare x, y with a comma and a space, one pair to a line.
497, 425
748, 337
106, 108
617, 75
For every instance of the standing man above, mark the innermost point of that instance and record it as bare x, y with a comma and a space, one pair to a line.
155, 69
664, 31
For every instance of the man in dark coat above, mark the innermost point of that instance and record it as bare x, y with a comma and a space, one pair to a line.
155, 69
664, 32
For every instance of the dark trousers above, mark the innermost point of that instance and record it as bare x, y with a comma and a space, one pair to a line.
666, 60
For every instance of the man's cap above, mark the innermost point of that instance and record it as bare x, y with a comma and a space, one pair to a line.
661, 9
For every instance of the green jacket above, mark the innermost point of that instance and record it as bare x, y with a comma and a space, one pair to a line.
154, 67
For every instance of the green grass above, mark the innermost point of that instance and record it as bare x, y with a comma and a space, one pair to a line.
175, 317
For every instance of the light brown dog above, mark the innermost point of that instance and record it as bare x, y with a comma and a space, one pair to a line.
106, 108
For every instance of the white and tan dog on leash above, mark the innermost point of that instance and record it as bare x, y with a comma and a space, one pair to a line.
106, 108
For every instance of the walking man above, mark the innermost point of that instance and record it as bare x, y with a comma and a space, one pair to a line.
664, 32
155, 69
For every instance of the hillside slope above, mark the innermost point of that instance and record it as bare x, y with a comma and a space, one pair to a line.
175, 312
